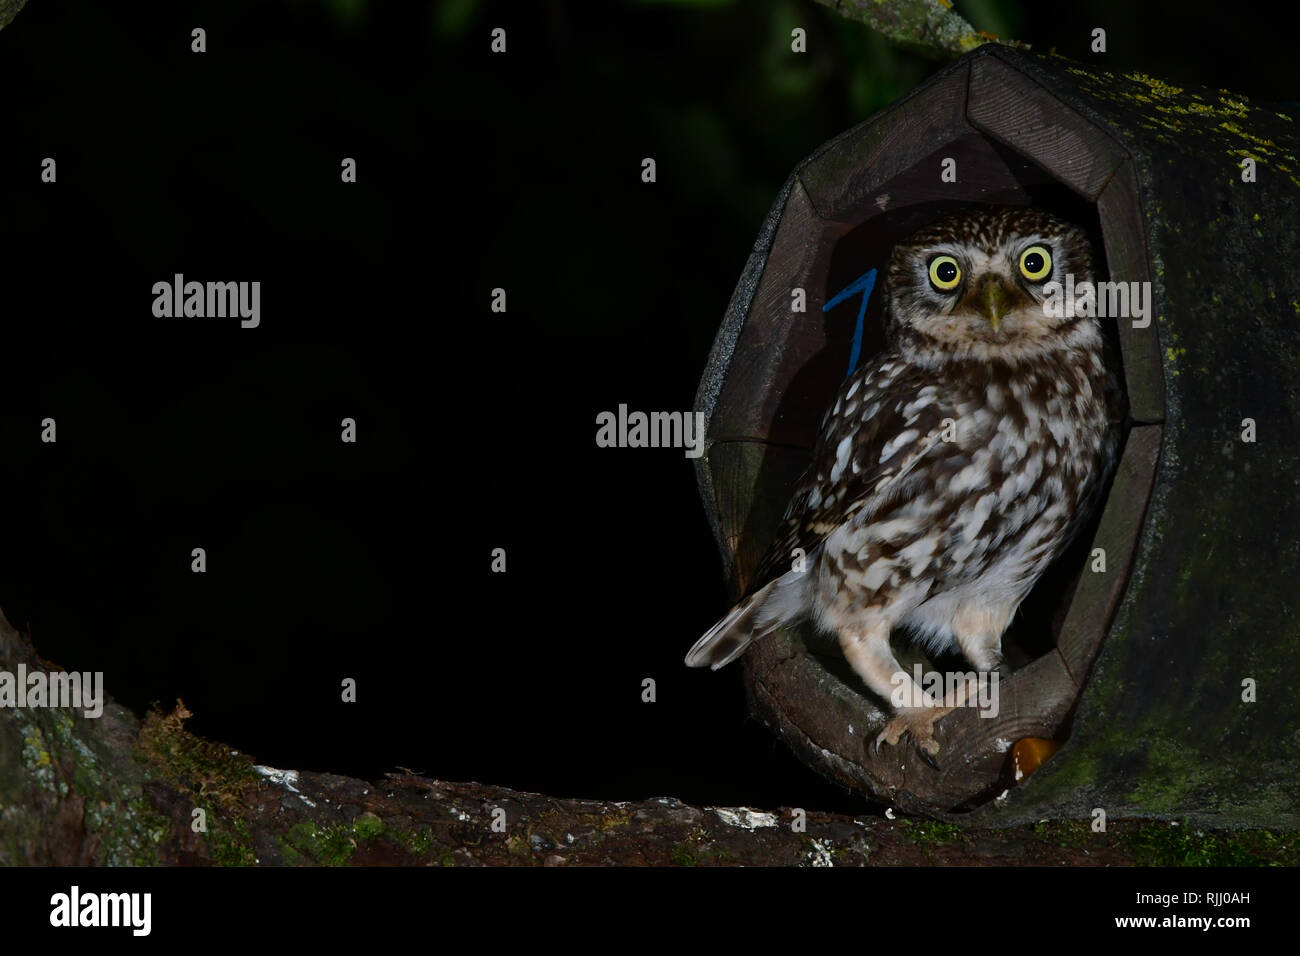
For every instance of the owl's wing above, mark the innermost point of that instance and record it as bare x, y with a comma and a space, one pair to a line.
887, 419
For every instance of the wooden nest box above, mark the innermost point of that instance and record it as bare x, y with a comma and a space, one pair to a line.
1141, 670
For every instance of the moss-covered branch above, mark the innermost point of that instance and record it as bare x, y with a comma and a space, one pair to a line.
117, 790
9, 9
930, 27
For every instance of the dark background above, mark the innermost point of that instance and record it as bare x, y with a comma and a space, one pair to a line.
476, 430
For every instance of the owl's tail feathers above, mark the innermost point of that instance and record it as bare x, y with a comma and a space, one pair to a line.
757, 615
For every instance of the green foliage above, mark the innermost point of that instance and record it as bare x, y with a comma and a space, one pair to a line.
451, 18
348, 12
367, 827
1165, 844
1071, 834
999, 17
129, 831
682, 855
232, 844
325, 846
211, 771
420, 841
931, 833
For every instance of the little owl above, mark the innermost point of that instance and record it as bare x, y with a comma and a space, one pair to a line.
952, 468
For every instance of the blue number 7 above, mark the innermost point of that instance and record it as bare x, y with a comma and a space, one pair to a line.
864, 284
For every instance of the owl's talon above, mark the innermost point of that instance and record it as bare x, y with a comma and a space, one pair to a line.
928, 758
918, 722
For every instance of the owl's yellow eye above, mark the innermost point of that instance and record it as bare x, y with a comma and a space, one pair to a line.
944, 273
1036, 263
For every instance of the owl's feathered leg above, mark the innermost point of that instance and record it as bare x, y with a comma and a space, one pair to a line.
871, 657
978, 631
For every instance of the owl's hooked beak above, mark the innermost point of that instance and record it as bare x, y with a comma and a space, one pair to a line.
992, 298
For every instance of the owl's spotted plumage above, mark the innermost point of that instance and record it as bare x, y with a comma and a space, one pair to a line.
953, 467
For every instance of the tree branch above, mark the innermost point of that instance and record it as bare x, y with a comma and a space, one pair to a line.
8, 10
930, 27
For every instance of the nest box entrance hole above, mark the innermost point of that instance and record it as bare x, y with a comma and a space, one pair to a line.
1005, 139
987, 173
